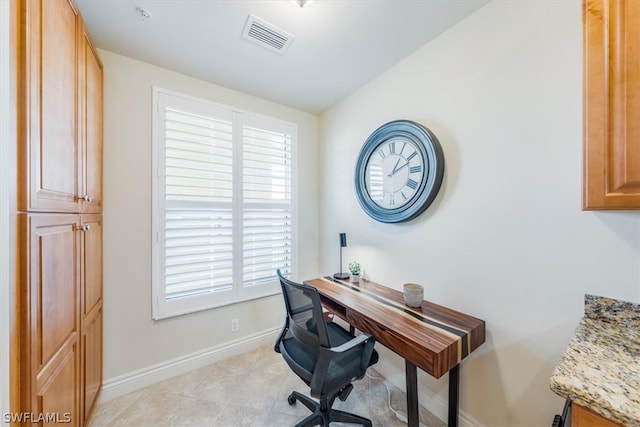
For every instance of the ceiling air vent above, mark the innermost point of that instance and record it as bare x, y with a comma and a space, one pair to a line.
266, 35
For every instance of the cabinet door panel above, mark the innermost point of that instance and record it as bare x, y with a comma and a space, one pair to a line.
611, 172
51, 183
92, 346
92, 126
92, 261
58, 396
54, 287
625, 81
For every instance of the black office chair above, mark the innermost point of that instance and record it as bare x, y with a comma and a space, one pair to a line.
322, 354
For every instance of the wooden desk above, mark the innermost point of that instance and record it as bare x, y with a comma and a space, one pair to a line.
432, 337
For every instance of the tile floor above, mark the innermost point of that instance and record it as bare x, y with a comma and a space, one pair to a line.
250, 389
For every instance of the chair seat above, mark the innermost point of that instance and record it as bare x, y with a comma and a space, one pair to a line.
302, 359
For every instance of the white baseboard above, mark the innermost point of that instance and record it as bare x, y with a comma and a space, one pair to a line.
136, 380
427, 398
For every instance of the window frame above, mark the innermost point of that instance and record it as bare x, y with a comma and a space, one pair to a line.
161, 307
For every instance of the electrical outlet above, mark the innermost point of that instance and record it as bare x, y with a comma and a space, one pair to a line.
235, 325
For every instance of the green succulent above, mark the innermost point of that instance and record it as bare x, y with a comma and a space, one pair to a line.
354, 267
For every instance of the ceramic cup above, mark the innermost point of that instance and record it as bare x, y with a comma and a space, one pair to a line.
413, 294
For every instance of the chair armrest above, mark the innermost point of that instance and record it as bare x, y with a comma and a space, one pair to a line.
326, 355
350, 344
368, 348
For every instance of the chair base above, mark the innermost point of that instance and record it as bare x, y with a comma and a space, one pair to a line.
322, 414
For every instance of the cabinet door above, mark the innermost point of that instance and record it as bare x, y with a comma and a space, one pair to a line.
91, 285
50, 283
611, 171
91, 124
582, 417
49, 171
92, 358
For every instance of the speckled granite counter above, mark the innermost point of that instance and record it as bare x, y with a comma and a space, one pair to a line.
600, 368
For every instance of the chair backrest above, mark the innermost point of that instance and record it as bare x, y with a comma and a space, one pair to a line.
304, 312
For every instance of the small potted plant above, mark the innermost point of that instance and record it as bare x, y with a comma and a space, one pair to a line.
354, 268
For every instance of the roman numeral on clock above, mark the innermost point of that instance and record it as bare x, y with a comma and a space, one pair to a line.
412, 184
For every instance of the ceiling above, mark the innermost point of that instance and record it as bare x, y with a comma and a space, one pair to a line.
338, 45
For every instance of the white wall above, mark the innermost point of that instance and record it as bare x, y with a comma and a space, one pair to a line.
506, 239
132, 340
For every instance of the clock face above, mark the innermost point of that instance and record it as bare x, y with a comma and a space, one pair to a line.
393, 173
399, 171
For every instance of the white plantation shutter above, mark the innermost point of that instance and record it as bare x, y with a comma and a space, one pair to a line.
198, 254
223, 208
267, 214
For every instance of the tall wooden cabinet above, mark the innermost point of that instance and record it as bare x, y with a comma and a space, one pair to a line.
59, 212
611, 166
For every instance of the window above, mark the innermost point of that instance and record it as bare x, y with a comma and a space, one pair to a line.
223, 211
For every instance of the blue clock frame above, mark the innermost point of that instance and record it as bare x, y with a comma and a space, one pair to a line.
432, 156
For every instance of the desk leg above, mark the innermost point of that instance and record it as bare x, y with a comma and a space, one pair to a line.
411, 372
454, 385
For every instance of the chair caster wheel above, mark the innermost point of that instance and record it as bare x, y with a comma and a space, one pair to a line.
291, 400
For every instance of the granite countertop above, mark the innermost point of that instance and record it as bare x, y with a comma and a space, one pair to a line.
600, 368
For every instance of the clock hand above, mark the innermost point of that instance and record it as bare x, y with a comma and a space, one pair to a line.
394, 170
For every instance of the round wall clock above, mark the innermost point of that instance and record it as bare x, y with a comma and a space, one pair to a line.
399, 171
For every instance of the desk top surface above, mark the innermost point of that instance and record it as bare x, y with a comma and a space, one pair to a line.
433, 337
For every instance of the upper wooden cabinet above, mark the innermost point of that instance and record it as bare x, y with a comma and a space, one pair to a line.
49, 178
61, 162
611, 170
90, 74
